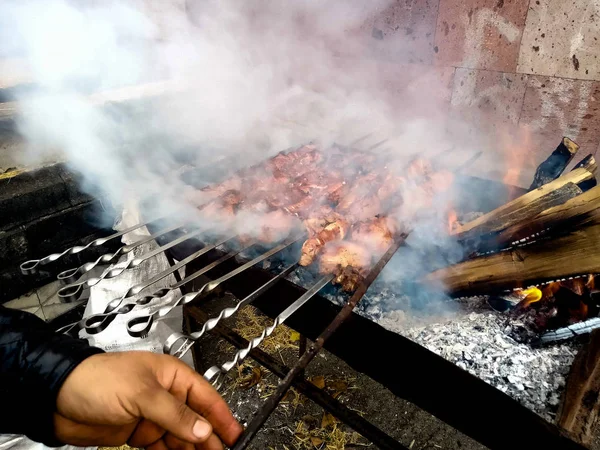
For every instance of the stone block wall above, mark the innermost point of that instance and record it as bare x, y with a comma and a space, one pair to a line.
522, 72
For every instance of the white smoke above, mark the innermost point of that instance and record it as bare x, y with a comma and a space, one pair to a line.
258, 77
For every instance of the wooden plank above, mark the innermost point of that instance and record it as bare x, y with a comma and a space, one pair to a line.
496, 220
578, 412
574, 254
555, 164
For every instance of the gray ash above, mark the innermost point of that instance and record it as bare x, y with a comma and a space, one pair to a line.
490, 345
494, 348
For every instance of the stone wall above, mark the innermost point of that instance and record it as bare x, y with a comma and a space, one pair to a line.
523, 72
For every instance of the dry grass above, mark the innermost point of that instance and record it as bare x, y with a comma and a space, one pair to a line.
250, 324
329, 436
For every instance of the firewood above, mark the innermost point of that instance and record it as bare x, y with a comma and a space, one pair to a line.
555, 164
578, 412
589, 163
573, 254
576, 211
526, 206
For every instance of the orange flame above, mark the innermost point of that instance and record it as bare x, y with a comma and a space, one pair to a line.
532, 295
517, 150
452, 221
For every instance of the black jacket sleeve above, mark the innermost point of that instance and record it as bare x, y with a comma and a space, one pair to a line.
34, 363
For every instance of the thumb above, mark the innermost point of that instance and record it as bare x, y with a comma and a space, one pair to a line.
174, 416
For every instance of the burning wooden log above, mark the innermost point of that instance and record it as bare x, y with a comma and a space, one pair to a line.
589, 163
525, 207
576, 211
578, 412
555, 164
574, 254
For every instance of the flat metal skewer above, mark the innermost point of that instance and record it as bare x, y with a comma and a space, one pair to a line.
190, 339
211, 285
98, 322
30, 267
214, 373
79, 325
72, 275
71, 292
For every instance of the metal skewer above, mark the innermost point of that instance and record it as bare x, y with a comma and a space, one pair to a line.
79, 325
72, 275
98, 322
72, 291
147, 320
190, 339
263, 414
30, 267
211, 285
214, 373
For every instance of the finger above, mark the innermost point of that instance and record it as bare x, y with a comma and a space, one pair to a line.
145, 434
158, 445
204, 399
81, 435
173, 442
213, 443
162, 408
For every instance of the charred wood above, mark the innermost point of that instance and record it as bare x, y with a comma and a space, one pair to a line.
574, 254
577, 211
566, 333
555, 164
589, 163
578, 412
521, 209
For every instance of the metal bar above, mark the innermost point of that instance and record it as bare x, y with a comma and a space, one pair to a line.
214, 373
267, 409
171, 262
302, 349
72, 291
320, 397
189, 339
30, 267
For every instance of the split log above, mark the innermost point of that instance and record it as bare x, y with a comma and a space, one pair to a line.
589, 163
578, 412
525, 207
555, 164
578, 211
574, 254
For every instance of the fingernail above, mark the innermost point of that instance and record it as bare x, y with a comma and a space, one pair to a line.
201, 429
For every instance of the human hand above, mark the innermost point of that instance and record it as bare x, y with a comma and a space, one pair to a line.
145, 400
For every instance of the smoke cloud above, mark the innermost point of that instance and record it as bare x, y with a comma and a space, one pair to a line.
254, 78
